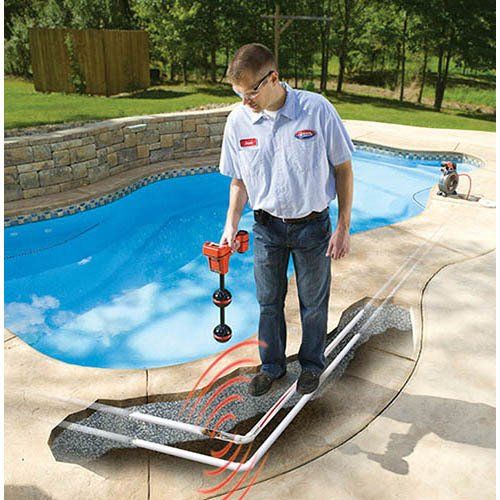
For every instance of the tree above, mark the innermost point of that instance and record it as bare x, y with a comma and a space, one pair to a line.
17, 11
477, 49
348, 13
299, 42
375, 47
172, 30
80, 14
186, 33
325, 44
403, 55
420, 44
454, 26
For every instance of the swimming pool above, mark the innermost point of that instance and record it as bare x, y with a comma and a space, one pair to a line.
125, 285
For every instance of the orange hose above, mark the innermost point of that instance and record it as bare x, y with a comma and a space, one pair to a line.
470, 183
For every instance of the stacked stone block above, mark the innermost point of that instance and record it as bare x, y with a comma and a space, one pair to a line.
64, 160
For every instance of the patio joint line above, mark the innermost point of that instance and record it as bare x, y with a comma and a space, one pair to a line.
402, 356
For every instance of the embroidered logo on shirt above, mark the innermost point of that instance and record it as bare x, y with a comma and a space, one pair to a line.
245, 143
305, 134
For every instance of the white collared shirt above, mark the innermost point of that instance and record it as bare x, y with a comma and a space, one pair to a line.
287, 164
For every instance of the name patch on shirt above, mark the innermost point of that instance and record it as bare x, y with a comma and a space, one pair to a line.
305, 134
246, 143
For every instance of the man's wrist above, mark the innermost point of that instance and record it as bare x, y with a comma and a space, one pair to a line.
233, 219
343, 224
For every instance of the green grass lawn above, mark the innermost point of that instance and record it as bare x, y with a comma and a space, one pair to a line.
25, 107
467, 95
360, 107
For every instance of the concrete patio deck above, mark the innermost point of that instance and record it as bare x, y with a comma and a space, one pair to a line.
413, 417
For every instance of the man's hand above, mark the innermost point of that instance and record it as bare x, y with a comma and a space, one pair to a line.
339, 245
228, 237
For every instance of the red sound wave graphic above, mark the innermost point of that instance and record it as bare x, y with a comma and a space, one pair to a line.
225, 418
221, 469
252, 481
222, 452
225, 402
207, 414
215, 362
219, 390
239, 483
228, 479
231, 366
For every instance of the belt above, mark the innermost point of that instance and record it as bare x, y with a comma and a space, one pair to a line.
259, 214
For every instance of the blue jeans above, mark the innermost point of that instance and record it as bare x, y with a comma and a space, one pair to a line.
307, 243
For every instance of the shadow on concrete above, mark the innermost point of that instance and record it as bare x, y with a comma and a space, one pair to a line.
450, 419
24, 492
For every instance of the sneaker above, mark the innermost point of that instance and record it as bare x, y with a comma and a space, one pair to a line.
261, 383
308, 382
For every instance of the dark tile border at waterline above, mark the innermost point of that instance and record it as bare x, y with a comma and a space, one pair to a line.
376, 149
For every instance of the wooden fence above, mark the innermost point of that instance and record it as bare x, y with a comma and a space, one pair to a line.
102, 62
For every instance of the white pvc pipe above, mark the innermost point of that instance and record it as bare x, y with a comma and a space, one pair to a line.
150, 419
113, 436
140, 443
269, 415
265, 446
206, 459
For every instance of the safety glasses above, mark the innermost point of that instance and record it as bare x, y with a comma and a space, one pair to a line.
256, 90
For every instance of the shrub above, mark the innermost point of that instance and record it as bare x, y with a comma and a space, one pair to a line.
16, 50
77, 78
309, 86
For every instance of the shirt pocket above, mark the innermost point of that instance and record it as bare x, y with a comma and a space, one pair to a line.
305, 153
251, 162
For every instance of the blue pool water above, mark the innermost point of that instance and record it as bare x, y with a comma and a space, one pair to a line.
125, 285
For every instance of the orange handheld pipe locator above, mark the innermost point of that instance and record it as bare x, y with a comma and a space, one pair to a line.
218, 261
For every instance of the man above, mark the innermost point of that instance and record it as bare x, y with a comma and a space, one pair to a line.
289, 155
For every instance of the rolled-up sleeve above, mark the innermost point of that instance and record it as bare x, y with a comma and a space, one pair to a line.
338, 143
228, 164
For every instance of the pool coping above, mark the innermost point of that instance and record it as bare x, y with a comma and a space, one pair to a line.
150, 382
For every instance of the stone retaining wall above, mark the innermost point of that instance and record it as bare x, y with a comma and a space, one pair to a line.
59, 161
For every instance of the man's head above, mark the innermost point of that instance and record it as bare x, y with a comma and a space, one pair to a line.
253, 74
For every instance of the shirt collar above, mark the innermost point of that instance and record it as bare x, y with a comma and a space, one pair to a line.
288, 109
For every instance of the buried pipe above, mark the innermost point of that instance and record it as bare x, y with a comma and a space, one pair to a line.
206, 459
269, 415
266, 445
